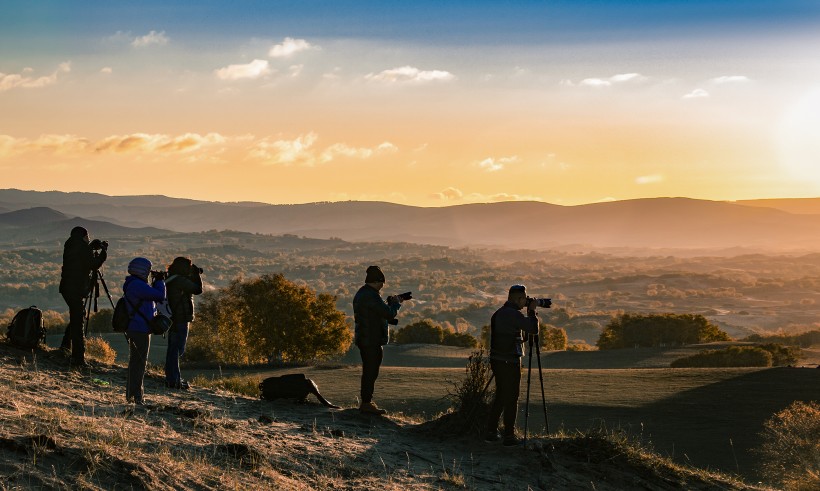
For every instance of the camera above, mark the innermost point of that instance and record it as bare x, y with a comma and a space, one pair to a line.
159, 275
196, 269
544, 303
405, 296
98, 244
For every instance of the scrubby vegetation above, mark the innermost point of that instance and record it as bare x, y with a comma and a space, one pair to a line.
98, 349
652, 330
765, 355
791, 447
427, 332
267, 319
803, 340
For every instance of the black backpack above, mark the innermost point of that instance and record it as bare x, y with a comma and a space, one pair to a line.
121, 318
291, 386
26, 329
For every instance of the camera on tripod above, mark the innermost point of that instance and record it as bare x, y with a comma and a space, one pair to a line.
98, 244
543, 303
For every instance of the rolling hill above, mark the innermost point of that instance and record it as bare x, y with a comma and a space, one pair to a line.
653, 223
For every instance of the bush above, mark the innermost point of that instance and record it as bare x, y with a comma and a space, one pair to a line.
471, 402
733, 356
580, 347
650, 330
552, 338
98, 349
426, 332
267, 318
791, 447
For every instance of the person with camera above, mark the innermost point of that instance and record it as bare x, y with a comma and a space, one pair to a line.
80, 258
140, 297
371, 316
182, 284
508, 325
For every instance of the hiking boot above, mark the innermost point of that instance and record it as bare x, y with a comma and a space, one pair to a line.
371, 408
492, 437
512, 441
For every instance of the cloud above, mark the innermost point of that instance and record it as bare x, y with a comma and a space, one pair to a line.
289, 47
491, 164
485, 198
649, 179
55, 144
24, 80
621, 78
696, 94
252, 70
409, 74
106, 70
152, 38
286, 152
730, 79
147, 143
449, 194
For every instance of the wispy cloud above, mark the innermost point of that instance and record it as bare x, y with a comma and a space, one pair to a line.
150, 39
289, 47
341, 149
484, 198
621, 78
106, 70
157, 143
730, 79
448, 194
252, 70
286, 152
409, 74
26, 80
696, 94
649, 179
492, 164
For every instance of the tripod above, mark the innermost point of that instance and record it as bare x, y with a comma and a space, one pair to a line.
533, 339
97, 279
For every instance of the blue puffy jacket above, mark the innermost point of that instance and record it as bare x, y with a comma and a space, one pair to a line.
138, 293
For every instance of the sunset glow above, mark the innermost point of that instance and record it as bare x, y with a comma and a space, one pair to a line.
419, 103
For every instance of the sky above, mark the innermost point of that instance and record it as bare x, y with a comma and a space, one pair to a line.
426, 103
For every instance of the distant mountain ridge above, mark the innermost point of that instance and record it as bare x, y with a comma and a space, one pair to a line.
676, 223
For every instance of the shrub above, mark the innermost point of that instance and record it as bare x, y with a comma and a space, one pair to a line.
98, 349
460, 339
649, 330
580, 347
426, 332
733, 356
470, 399
791, 447
552, 338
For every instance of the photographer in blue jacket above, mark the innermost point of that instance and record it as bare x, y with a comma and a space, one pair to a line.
140, 297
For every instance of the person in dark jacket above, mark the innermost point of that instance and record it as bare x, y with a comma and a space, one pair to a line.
182, 284
140, 298
506, 349
79, 262
371, 315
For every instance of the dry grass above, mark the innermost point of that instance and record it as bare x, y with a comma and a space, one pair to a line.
65, 430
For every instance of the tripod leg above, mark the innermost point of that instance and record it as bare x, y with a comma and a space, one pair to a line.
527, 403
543, 397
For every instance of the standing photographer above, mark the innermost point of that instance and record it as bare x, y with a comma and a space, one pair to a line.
371, 315
79, 262
182, 284
140, 298
506, 328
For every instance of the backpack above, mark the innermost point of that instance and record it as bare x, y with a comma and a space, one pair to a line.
26, 329
291, 386
121, 317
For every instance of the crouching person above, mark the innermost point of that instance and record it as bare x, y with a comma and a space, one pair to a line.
140, 298
182, 284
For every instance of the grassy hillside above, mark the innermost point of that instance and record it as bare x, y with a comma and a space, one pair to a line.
66, 430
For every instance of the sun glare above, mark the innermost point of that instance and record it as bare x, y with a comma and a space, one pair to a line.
798, 139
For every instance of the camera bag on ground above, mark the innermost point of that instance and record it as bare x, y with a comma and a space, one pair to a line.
26, 329
293, 386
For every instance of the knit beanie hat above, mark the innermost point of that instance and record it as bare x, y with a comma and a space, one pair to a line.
374, 274
139, 266
79, 232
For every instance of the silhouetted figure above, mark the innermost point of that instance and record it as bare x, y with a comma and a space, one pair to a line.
182, 284
506, 349
79, 262
371, 315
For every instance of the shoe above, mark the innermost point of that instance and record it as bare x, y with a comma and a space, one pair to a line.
184, 385
492, 437
512, 441
371, 408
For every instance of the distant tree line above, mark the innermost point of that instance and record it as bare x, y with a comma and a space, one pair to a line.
653, 330
550, 338
427, 332
803, 340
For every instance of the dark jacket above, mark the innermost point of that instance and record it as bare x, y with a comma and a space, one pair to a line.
181, 290
78, 263
506, 326
138, 293
371, 314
